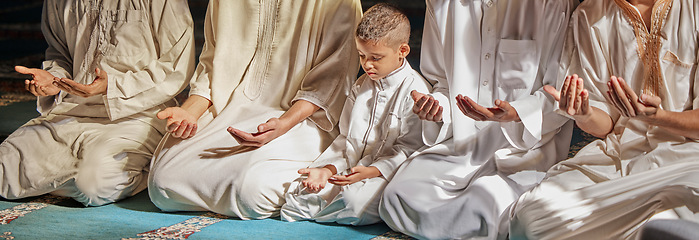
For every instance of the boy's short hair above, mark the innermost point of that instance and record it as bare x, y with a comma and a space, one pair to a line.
383, 22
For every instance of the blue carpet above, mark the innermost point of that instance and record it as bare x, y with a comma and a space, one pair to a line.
49, 217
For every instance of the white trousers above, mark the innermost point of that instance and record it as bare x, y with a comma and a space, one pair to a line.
93, 160
587, 198
354, 204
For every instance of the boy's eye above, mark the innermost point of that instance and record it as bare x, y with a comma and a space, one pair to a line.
375, 58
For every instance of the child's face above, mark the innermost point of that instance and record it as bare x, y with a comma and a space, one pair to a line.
379, 60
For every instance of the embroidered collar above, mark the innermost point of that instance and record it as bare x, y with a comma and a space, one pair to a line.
649, 42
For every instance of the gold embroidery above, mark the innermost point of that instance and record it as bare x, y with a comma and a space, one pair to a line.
672, 57
648, 41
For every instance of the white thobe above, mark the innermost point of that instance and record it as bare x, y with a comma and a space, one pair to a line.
258, 59
612, 186
485, 50
377, 129
96, 149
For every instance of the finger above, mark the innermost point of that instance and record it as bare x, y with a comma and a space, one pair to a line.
419, 104
615, 102
27, 83
461, 106
32, 89
194, 130
578, 98
77, 88
245, 136
41, 90
426, 108
478, 109
572, 90
563, 104
623, 97
438, 116
469, 111
433, 111
585, 105
553, 92
188, 130
632, 97
24, 70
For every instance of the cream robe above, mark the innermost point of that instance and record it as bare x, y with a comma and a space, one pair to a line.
79, 146
486, 50
377, 129
258, 59
612, 186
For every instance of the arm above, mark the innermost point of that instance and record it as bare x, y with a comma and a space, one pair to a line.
59, 61
433, 68
647, 108
335, 64
574, 100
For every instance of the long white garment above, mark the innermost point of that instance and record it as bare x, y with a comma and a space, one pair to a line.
259, 58
459, 187
612, 186
78, 147
377, 128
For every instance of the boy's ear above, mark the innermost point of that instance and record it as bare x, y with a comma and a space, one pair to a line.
403, 50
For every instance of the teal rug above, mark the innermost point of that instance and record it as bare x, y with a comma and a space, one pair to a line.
50, 217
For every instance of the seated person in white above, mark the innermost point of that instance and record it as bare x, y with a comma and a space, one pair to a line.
110, 67
634, 83
378, 130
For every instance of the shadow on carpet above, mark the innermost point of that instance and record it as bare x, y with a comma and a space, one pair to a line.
51, 217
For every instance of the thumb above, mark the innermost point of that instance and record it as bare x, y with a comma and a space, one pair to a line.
269, 125
23, 70
167, 113
553, 92
101, 73
304, 171
651, 100
416, 95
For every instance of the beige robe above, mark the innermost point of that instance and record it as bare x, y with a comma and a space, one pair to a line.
612, 186
258, 59
485, 50
95, 149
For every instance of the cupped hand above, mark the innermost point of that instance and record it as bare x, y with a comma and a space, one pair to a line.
426, 107
41, 83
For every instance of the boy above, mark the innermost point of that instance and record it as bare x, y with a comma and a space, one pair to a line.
378, 130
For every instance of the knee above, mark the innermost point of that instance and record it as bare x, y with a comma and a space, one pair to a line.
258, 198
103, 184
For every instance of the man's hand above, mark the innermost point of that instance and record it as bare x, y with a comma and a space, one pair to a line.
266, 132
628, 103
426, 107
41, 83
358, 173
98, 86
573, 97
504, 112
180, 123
317, 178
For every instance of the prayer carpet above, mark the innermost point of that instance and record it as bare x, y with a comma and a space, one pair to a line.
50, 217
